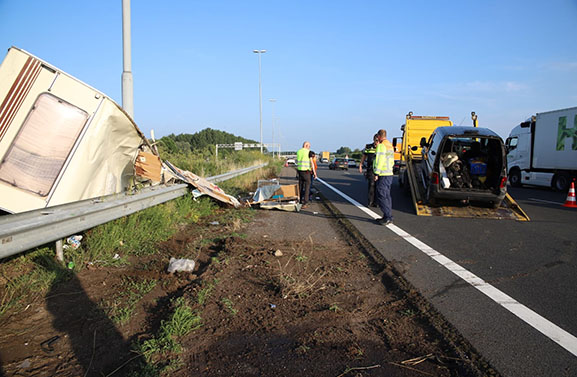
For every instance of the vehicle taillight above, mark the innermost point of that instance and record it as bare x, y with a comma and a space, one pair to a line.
435, 178
503, 182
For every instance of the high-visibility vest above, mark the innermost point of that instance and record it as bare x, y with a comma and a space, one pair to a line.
303, 159
384, 159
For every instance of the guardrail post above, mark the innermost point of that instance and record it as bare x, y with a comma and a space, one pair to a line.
59, 251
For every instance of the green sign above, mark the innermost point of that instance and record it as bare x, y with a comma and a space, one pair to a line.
563, 133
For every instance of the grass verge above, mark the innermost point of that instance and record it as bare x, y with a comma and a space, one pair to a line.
160, 354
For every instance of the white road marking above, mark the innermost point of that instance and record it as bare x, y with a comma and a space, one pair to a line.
545, 201
538, 322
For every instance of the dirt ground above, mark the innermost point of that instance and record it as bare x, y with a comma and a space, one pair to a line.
291, 294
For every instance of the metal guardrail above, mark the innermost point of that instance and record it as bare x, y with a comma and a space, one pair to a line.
24, 231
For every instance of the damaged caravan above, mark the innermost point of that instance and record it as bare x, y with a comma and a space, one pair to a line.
61, 140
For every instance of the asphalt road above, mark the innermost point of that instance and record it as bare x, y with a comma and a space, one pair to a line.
535, 263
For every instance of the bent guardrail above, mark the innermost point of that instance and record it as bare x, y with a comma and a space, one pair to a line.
24, 231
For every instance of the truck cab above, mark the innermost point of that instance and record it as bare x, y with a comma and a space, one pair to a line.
518, 146
464, 164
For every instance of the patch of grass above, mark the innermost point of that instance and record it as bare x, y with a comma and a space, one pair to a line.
28, 277
334, 308
139, 233
121, 307
204, 293
303, 348
301, 258
159, 351
295, 279
239, 235
228, 304
409, 312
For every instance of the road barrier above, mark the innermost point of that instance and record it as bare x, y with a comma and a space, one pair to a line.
24, 231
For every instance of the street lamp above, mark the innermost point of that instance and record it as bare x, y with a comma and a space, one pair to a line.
127, 85
272, 100
260, 52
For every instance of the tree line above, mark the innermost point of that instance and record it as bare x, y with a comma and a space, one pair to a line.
202, 141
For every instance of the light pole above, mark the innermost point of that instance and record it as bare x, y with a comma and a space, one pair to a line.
272, 100
127, 86
260, 52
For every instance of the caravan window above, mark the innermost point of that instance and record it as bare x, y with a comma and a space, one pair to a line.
42, 145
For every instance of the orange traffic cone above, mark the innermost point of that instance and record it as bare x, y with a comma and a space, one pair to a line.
570, 201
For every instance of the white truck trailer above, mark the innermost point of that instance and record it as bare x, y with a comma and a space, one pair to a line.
542, 151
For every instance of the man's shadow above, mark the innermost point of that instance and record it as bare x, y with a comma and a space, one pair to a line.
98, 346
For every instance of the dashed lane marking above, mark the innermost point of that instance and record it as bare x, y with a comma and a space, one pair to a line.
538, 322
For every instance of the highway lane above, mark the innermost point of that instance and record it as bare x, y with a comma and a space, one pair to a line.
533, 262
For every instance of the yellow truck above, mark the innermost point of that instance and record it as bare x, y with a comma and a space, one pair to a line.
325, 156
426, 175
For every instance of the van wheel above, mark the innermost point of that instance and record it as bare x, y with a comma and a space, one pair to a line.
515, 177
560, 182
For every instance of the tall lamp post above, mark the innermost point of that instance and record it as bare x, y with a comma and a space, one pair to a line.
272, 100
127, 87
260, 52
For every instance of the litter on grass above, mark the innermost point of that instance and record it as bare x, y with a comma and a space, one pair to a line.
175, 265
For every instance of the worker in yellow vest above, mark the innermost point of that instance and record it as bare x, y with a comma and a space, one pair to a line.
383, 169
305, 170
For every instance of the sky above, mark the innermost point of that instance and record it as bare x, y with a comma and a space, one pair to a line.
338, 70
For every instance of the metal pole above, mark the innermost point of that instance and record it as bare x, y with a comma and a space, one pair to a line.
260, 52
272, 100
127, 87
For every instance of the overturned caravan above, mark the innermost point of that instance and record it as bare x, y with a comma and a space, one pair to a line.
61, 140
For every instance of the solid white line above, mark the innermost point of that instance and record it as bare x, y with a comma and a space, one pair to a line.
541, 324
545, 201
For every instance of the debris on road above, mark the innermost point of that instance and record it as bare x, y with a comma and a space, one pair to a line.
270, 194
203, 186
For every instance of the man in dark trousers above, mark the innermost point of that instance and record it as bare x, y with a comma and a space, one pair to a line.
383, 169
305, 170
369, 157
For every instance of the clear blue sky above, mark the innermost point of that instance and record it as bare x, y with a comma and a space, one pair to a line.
340, 70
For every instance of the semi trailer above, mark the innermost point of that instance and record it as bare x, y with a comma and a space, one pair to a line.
542, 151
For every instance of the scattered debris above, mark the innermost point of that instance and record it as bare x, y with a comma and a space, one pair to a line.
25, 364
180, 265
203, 186
73, 242
278, 253
290, 206
214, 223
348, 370
271, 195
148, 166
47, 345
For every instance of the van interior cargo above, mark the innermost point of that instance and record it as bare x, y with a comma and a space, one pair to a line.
468, 163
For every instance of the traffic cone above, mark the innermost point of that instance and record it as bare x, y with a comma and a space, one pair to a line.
570, 201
